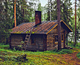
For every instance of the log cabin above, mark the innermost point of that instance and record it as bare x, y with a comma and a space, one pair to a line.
39, 35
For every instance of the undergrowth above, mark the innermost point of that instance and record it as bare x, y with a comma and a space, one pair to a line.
6, 46
8, 56
65, 51
76, 46
78, 55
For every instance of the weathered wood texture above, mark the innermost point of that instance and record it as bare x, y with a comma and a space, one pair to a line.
16, 40
51, 44
41, 41
38, 43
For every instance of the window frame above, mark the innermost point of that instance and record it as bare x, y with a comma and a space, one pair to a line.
33, 40
56, 36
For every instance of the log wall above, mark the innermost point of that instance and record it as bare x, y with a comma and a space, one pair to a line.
50, 41
16, 40
41, 42
51, 44
38, 43
38, 40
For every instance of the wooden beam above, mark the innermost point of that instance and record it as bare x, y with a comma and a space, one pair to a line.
66, 25
15, 13
57, 25
64, 38
52, 28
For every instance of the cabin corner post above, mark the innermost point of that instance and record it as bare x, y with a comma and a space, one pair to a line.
44, 42
64, 39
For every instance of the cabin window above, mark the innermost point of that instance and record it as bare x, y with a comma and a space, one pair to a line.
62, 37
23, 37
32, 40
56, 38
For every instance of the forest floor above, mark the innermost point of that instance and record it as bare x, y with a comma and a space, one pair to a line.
7, 57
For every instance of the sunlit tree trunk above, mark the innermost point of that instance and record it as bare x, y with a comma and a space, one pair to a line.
15, 13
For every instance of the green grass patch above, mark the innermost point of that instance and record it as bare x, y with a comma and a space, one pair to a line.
76, 46
65, 51
78, 55
4, 46
7, 57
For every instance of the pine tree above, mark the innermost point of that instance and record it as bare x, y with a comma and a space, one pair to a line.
39, 7
66, 10
5, 20
7, 16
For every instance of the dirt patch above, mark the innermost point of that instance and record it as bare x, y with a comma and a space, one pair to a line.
67, 59
71, 58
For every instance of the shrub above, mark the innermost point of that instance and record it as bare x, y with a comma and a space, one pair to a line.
78, 55
64, 51
14, 49
71, 44
55, 50
4, 46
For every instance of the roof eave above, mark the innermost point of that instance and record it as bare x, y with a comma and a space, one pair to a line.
67, 26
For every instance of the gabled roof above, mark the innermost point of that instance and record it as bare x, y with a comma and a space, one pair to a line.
43, 28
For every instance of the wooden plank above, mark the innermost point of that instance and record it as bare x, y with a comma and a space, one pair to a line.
52, 29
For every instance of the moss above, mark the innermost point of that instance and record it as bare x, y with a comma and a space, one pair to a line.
33, 32
0, 59
18, 32
35, 28
28, 32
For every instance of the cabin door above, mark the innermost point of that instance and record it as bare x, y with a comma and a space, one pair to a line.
62, 40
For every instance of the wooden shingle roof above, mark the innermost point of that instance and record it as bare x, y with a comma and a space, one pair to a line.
43, 28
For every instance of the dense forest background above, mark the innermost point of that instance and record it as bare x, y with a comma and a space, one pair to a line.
26, 11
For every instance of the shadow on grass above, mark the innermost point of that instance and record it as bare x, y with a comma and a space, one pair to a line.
62, 51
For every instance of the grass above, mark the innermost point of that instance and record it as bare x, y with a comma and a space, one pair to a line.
4, 46
76, 46
78, 55
34, 58
7, 57
65, 51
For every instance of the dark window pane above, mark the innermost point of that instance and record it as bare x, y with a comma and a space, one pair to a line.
32, 40
56, 38
62, 37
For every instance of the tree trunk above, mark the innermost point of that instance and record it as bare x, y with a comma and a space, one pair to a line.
59, 24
